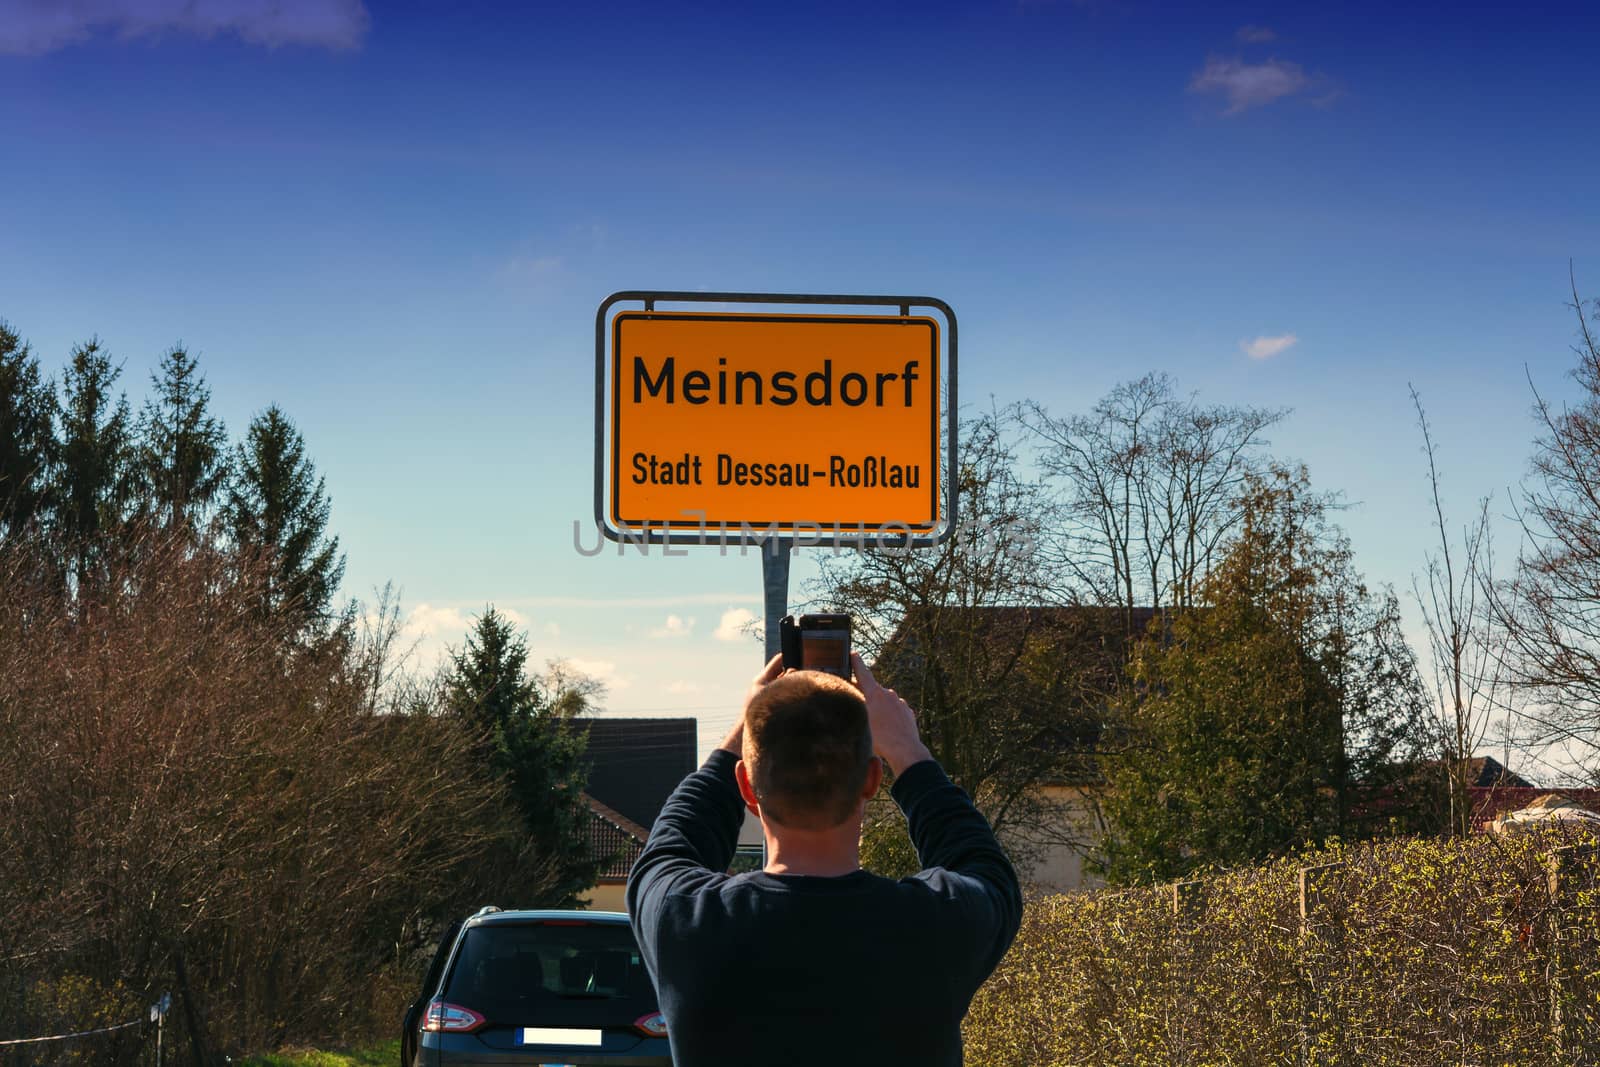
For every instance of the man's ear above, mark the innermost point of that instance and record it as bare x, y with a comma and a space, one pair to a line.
742, 775
869, 789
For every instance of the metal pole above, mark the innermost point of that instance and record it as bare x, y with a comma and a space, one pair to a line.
775, 587
775, 595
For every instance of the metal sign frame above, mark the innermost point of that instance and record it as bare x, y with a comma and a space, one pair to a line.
722, 534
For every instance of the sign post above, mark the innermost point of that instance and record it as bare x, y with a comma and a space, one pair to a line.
775, 590
158, 1015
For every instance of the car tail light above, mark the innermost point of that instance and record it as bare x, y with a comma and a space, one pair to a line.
443, 1018
652, 1025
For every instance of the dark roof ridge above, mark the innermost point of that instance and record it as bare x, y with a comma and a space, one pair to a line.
604, 717
1033, 606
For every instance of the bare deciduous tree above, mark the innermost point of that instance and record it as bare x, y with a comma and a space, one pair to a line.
1551, 608
1466, 648
981, 682
1146, 487
183, 807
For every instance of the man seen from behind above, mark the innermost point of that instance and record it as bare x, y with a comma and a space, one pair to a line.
812, 959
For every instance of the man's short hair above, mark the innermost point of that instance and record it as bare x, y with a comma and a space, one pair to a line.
807, 747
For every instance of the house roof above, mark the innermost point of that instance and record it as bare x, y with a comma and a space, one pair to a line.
1086, 637
1486, 772
613, 834
635, 764
1491, 802
1085, 659
998, 622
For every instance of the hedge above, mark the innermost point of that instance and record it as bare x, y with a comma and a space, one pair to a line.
1410, 952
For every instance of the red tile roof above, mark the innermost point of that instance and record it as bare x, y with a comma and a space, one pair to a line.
615, 835
1487, 803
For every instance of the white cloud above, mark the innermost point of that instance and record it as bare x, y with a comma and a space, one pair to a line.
430, 631
735, 625
1267, 347
675, 626
604, 670
684, 687
453, 623
1249, 85
427, 621
427, 632
552, 629
33, 27
1256, 34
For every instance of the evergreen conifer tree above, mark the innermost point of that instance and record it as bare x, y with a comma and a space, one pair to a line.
277, 507
1258, 717
530, 743
95, 482
182, 447
27, 434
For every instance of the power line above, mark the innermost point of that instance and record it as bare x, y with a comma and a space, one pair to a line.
639, 712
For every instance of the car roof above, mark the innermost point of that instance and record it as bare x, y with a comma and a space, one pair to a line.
497, 918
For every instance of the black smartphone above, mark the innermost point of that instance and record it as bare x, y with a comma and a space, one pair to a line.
817, 643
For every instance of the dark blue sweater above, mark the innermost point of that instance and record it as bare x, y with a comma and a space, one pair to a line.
779, 969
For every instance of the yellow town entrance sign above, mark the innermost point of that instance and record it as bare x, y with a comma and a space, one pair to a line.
725, 426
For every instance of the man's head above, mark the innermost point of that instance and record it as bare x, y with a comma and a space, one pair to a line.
808, 750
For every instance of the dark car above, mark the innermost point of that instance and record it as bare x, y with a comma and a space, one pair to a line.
536, 987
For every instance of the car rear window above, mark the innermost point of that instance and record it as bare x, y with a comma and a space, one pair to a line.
524, 974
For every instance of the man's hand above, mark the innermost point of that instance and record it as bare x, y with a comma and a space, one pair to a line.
734, 742
894, 725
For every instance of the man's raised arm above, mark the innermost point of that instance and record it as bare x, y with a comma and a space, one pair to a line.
694, 838
949, 832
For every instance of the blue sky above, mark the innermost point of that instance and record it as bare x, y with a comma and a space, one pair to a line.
396, 221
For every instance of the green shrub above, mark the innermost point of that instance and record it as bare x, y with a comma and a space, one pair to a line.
377, 1056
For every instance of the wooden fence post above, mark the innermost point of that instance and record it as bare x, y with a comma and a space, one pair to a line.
1320, 931
1575, 1027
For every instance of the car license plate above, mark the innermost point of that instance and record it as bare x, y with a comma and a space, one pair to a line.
552, 1035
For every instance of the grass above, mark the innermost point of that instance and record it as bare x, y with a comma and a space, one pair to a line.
384, 1055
